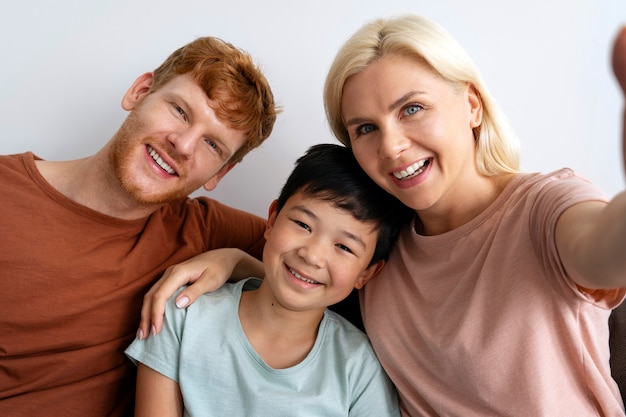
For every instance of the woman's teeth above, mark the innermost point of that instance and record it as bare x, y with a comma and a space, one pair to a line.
413, 170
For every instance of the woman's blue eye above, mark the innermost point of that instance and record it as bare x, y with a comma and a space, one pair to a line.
412, 109
366, 129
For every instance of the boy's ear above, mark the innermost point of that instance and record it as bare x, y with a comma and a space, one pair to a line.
368, 274
137, 91
271, 218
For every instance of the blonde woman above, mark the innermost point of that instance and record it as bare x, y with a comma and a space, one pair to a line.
496, 299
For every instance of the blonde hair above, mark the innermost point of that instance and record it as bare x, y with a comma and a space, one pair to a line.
416, 37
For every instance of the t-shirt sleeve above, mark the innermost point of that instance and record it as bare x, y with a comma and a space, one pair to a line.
373, 394
560, 192
161, 352
230, 227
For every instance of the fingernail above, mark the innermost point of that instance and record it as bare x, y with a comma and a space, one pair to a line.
182, 303
140, 334
153, 330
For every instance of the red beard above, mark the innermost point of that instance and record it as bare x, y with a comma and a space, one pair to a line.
123, 150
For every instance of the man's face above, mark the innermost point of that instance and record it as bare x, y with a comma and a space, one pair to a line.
172, 142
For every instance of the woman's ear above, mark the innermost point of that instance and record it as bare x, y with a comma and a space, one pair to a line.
368, 274
137, 91
476, 106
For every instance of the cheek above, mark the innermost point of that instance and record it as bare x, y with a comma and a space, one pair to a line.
366, 157
276, 246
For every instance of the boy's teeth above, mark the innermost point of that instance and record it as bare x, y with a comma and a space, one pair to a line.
300, 277
160, 161
412, 170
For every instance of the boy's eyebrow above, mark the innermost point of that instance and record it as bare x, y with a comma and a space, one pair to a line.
355, 238
347, 234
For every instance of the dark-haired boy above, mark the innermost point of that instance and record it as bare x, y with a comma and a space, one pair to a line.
271, 346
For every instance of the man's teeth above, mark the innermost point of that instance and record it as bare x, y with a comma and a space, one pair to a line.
300, 277
413, 170
160, 161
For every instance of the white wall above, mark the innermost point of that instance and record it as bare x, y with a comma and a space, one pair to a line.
66, 64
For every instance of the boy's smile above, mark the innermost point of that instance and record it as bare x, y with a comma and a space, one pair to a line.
315, 253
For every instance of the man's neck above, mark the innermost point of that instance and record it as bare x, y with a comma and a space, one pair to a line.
91, 182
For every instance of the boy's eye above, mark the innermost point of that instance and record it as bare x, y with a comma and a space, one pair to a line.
303, 225
344, 248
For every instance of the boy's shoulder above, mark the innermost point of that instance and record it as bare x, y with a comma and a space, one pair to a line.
229, 289
343, 330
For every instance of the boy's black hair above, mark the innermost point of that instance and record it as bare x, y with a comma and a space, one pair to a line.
331, 172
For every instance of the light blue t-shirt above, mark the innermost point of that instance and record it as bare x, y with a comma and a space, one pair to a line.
205, 350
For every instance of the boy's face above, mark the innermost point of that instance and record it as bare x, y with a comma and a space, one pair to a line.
316, 253
172, 142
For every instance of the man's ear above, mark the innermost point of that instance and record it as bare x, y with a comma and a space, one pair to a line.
271, 218
137, 91
368, 274
215, 179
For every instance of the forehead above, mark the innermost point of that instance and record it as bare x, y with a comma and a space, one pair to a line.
184, 85
389, 71
388, 79
185, 91
328, 209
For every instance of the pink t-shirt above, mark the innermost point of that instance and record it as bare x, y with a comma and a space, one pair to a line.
484, 321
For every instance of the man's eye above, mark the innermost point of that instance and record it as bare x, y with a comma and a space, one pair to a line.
180, 111
213, 145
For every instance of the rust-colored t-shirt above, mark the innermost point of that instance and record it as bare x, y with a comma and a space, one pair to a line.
71, 288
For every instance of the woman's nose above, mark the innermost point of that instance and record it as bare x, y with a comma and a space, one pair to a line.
392, 143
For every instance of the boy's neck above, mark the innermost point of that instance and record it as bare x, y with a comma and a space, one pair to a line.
283, 338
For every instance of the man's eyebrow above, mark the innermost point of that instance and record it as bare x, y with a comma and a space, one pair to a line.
215, 136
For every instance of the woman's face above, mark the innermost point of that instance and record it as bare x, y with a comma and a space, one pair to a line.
411, 131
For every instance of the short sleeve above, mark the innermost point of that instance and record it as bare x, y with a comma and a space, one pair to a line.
161, 352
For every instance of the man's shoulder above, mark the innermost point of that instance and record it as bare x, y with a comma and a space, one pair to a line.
17, 158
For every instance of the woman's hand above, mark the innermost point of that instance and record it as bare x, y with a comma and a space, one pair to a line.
619, 68
205, 272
